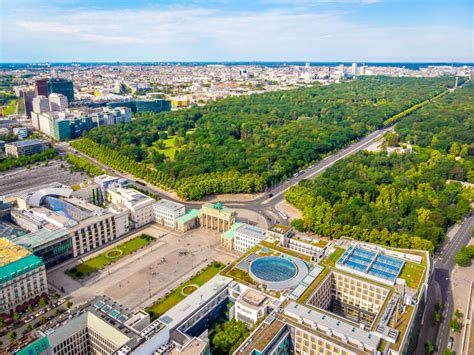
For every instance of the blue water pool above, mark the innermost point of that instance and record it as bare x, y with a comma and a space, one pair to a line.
273, 269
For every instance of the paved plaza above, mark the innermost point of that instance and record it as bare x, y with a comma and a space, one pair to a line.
140, 278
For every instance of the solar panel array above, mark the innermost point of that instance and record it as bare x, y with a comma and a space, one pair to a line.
371, 263
102, 306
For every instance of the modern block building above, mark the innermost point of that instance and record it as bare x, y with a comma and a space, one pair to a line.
41, 87
247, 236
70, 124
340, 307
22, 276
166, 212
138, 205
25, 147
101, 326
138, 106
57, 102
62, 226
61, 86
41, 104
251, 306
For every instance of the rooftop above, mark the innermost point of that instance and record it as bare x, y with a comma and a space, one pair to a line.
382, 267
188, 216
132, 196
279, 228
179, 313
16, 260
10, 252
169, 204
26, 142
252, 298
262, 336
325, 322
42, 237
252, 231
230, 233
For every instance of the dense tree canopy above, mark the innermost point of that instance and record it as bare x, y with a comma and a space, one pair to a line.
398, 200
263, 138
387, 199
442, 123
12, 162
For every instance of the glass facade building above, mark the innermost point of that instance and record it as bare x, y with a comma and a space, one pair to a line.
61, 86
138, 106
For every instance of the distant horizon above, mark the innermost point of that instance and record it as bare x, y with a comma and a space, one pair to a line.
446, 62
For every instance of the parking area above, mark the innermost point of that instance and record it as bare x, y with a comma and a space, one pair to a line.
22, 178
139, 279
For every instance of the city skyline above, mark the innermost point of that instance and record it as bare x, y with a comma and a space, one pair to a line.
267, 30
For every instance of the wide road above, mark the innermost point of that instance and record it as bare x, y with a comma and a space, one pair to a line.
444, 263
443, 267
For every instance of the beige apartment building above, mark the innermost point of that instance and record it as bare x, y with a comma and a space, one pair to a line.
22, 276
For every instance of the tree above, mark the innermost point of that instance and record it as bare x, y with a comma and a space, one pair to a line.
229, 335
30, 309
458, 313
455, 325
429, 347
2, 322
298, 224
12, 336
16, 316
42, 302
448, 352
43, 320
464, 256
56, 296
29, 328
436, 316
69, 304
56, 312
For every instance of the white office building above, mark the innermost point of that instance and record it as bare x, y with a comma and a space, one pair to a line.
41, 104
139, 205
57, 102
166, 212
247, 236
251, 306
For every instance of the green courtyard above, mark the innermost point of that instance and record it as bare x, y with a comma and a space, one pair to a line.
180, 293
109, 256
413, 274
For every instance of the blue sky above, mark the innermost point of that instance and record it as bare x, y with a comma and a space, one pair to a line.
224, 30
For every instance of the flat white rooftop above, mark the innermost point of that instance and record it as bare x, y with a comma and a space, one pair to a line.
183, 310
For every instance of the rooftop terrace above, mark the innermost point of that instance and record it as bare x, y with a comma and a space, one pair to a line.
10, 252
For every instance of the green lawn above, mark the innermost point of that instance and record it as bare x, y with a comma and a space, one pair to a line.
334, 257
170, 149
413, 274
173, 298
109, 256
10, 109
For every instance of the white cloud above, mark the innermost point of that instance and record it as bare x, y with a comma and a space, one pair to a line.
184, 33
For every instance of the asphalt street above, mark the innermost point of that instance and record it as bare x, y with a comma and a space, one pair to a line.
443, 267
